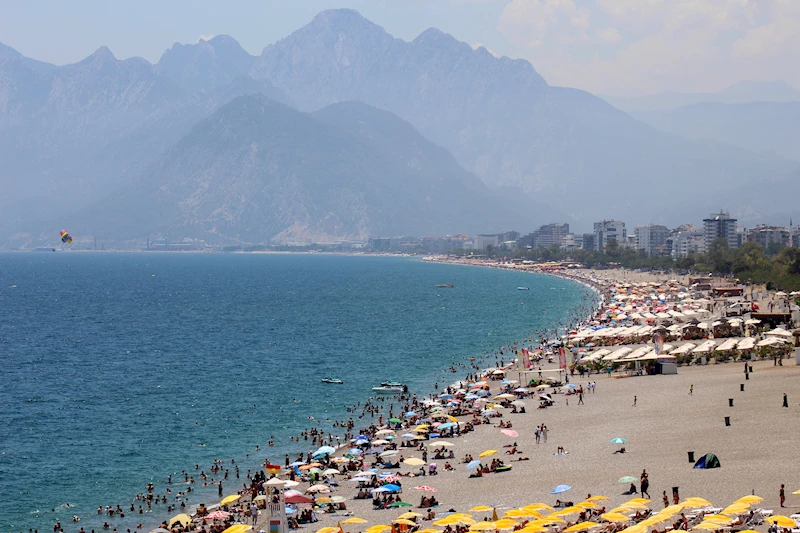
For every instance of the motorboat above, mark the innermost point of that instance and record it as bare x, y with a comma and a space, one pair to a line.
332, 381
523, 288
392, 388
445, 285
392, 384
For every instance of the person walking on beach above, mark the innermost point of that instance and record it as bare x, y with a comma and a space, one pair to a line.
580, 398
634, 400
665, 499
544, 433
538, 434
691, 389
782, 494
785, 400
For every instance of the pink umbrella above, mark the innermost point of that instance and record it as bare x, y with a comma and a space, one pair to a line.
426, 488
218, 515
509, 433
390, 479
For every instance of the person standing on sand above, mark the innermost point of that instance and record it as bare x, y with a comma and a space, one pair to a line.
785, 400
634, 400
665, 499
782, 494
691, 389
544, 433
580, 397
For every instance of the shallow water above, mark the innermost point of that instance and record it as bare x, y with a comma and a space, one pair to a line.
119, 369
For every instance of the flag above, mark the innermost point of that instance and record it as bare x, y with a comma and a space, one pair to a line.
526, 359
562, 358
754, 306
659, 342
272, 469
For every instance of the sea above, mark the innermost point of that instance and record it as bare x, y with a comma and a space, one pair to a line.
120, 369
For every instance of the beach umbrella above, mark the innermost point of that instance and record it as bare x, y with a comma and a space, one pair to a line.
506, 523
549, 519
627, 479
389, 453
159, 530
582, 526
330, 472
182, 519
318, 488
385, 431
325, 450
430, 530
444, 443
217, 515
560, 488
618, 440
380, 442
638, 500
394, 421
796, 492
380, 528
598, 498
481, 508
568, 511
230, 499
237, 528
413, 461
614, 517
407, 436
521, 389
275, 482
297, 498
538, 507
694, 501
522, 513
473, 464
509, 433
781, 521
399, 504
736, 508
329, 529
633, 505
404, 522
426, 488
707, 526
751, 498
720, 519
483, 526
489, 412
410, 514
487, 453
587, 505
310, 466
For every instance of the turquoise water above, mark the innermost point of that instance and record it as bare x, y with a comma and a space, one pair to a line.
119, 369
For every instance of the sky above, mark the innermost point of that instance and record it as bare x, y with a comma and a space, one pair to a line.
612, 47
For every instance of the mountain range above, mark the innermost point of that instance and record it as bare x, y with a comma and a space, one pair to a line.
107, 137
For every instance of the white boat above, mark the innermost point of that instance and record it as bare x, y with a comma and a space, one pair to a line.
392, 384
332, 381
523, 289
389, 389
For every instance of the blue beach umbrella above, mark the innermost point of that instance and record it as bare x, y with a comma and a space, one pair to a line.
408, 435
298, 463
473, 464
325, 450
361, 442
446, 425
355, 451
411, 413
446, 396
618, 440
559, 489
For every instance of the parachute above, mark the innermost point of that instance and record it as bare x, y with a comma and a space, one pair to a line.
66, 238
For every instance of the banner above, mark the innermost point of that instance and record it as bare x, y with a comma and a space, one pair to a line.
658, 339
562, 358
526, 359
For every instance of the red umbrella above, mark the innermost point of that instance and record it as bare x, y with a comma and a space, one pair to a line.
218, 515
298, 498
426, 488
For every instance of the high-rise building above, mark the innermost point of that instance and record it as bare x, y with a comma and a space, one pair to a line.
651, 238
766, 235
609, 230
549, 235
720, 226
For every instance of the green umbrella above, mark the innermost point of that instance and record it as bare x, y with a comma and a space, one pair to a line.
627, 479
395, 421
400, 504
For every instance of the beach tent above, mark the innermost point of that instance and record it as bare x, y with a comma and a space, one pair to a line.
709, 460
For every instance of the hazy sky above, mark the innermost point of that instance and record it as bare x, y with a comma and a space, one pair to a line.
604, 46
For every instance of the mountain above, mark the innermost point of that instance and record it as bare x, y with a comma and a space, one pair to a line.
502, 121
739, 93
756, 126
257, 171
73, 134
205, 65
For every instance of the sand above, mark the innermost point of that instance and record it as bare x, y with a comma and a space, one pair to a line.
756, 451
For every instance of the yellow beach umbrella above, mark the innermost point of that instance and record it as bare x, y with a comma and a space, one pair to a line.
452, 419
354, 520
483, 526
522, 513
380, 528
750, 498
546, 521
614, 517
700, 502
404, 522
796, 492
506, 523
182, 519
587, 505
481, 509
708, 526
581, 526
413, 461
430, 530
567, 511
553, 517
639, 500
671, 510
410, 514
597, 498
241, 528
532, 529
229, 499
487, 453
538, 507
634, 505
736, 508
780, 520
748, 531
329, 530
718, 518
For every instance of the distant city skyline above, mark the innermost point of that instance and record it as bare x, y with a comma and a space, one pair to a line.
603, 46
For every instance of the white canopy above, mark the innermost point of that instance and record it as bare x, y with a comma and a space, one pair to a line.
729, 344
779, 332
617, 354
684, 349
707, 346
746, 344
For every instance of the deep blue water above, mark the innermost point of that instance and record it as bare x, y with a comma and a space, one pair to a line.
119, 369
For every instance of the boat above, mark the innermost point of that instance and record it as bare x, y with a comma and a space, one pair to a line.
523, 289
445, 285
332, 381
392, 384
384, 389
